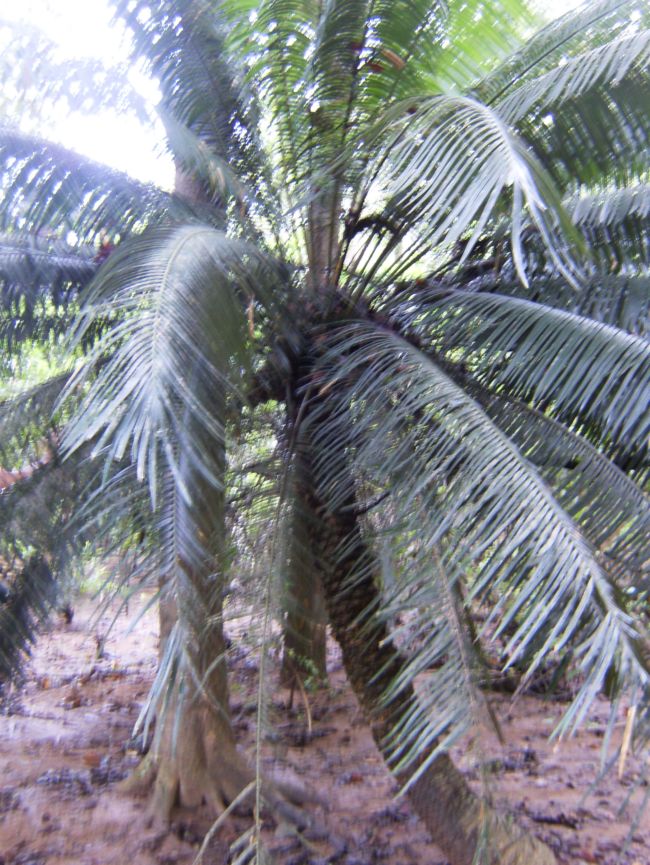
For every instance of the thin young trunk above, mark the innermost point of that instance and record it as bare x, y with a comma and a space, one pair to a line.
195, 754
195, 748
305, 631
305, 627
194, 758
460, 822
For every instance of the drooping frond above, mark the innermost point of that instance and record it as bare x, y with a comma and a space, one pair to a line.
459, 484
577, 141
177, 536
26, 420
175, 301
447, 168
24, 260
446, 663
620, 299
37, 551
614, 299
26, 605
575, 367
39, 284
616, 224
611, 207
610, 508
578, 94
46, 187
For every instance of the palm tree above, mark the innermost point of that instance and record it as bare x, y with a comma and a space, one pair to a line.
414, 235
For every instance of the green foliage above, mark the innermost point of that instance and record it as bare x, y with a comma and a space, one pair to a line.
417, 235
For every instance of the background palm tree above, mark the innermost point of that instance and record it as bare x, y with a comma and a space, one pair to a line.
410, 239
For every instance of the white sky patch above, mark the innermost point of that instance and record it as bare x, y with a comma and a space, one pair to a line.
84, 28
555, 8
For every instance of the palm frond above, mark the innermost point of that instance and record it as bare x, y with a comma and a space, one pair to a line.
577, 108
26, 260
611, 207
577, 141
594, 23
39, 286
615, 223
610, 509
607, 65
46, 187
27, 420
38, 549
446, 663
620, 299
575, 367
450, 163
180, 534
460, 484
334, 60
613, 288
27, 605
614, 299
398, 53
175, 302
25, 504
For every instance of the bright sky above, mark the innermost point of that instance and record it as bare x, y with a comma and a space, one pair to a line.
84, 28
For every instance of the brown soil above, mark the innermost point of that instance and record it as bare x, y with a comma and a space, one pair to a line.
65, 743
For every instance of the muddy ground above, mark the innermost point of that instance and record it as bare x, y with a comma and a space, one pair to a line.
66, 743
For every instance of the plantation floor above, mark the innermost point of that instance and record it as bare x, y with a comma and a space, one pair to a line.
65, 743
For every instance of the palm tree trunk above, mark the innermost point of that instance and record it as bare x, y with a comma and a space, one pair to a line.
460, 822
305, 631
194, 758
305, 626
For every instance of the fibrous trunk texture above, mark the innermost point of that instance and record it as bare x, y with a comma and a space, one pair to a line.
460, 822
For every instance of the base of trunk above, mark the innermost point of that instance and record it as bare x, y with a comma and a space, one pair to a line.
193, 761
470, 831
202, 766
